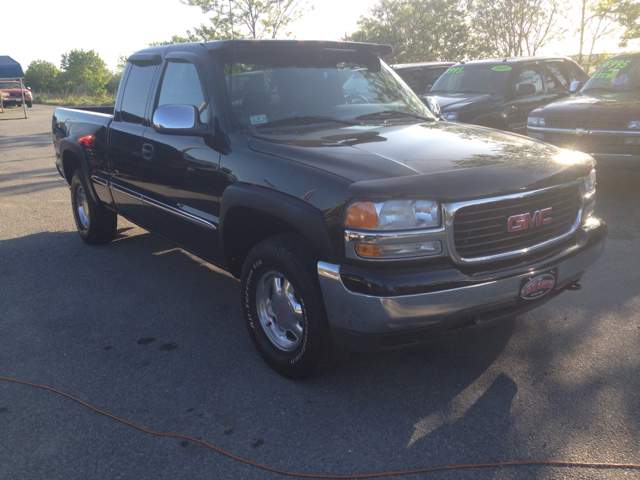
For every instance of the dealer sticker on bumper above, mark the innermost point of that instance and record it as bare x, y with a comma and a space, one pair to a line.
537, 286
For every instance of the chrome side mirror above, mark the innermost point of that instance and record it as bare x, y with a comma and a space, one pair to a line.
575, 86
526, 89
175, 119
432, 104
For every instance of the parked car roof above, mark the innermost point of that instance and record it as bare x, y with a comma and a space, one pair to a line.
513, 60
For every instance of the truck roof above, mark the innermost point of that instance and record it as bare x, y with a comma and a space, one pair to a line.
244, 44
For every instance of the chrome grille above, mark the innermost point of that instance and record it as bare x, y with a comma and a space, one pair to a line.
585, 123
481, 230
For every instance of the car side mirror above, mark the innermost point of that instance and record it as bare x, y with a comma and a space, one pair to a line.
428, 88
178, 120
575, 86
432, 104
525, 89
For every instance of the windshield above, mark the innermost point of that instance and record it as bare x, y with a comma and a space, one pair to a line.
620, 73
268, 88
481, 78
8, 85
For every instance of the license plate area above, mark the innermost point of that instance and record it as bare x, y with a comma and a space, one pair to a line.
537, 285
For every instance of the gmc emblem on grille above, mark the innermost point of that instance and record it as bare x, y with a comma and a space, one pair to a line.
525, 220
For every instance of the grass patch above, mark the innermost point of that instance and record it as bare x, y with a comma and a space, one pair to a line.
77, 101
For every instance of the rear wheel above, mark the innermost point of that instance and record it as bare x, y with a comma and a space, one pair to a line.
283, 308
96, 225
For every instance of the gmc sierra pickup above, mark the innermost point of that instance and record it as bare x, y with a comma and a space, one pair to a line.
354, 221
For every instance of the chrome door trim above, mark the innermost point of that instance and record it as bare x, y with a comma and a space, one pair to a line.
179, 213
100, 180
167, 208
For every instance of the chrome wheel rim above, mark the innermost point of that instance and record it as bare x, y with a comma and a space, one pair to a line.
280, 311
83, 208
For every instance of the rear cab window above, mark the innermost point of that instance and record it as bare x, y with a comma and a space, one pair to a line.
136, 93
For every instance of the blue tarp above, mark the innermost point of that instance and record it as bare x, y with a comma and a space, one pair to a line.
9, 68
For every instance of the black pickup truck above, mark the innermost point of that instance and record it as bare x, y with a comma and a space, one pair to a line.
355, 221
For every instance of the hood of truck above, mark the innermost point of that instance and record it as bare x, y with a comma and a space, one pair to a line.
597, 105
439, 160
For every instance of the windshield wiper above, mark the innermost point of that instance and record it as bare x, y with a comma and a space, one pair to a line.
307, 120
467, 91
384, 114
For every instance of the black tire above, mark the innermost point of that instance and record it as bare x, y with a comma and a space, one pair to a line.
306, 349
29, 104
96, 225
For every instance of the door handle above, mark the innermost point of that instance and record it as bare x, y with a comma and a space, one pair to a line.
147, 151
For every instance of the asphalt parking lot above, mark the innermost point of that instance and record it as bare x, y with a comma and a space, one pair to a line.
142, 330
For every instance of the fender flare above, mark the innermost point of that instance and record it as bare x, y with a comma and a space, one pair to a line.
76, 149
305, 217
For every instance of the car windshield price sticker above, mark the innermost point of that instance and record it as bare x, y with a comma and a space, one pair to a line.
501, 68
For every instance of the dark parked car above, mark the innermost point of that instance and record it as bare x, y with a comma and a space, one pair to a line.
353, 220
421, 76
501, 93
603, 119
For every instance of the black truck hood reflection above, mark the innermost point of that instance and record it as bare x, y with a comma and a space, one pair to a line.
455, 101
598, 104
440, 160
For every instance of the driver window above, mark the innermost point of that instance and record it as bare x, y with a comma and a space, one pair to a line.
530, 74
181, 85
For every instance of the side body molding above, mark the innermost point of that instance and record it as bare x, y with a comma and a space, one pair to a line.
305, 217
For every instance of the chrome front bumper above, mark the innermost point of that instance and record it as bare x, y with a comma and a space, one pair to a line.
375, 315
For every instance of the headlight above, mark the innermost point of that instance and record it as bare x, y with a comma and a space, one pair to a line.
449, 116
407, 223
634, 124
5, 94
393, 215
535, 121
589, 194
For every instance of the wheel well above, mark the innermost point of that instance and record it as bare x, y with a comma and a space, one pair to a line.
244, 228
69, 164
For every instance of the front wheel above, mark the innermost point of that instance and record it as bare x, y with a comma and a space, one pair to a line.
96, 225
283, 308
29, 104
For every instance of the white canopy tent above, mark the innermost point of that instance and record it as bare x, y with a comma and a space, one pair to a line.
11, 70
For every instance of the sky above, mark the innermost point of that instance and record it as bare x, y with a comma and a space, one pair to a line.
115, 27
121, 27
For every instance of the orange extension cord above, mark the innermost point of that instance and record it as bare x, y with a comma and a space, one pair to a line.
309, 475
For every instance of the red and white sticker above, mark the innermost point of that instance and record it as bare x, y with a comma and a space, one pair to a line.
538, 287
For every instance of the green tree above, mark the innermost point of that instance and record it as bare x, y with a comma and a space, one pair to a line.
84, 73
248, 18
517, 27
418, 30
41, 75
178, 39
601, 19
114, 81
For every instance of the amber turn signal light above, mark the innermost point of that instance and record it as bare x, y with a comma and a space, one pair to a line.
368, 251
362, 215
